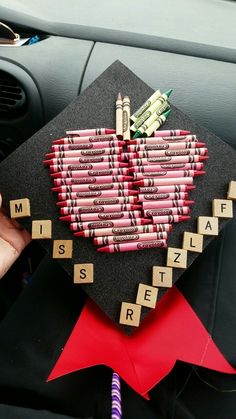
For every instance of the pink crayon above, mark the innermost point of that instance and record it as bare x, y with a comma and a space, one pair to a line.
162, 196
100, 232
164, 181
172, 153
88, 166
128, 156
66, 157
94, 131
98, 208
84, 173
101, 241
168, 133
123, 215
96, 194
165, 146
169, 174
89, 180
167, 204
126, 222
129, 247
161, 140
166, 211
76, 139
167, 160
97, 201
171, 166
170, 218
166, 189
98, 187
87, 146
86, 153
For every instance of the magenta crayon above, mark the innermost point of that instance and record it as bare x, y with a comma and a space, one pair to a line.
87, 146
164, 181
61, 158
96, 194
89, 180
167, 203
100, 232
166, 211
173, 153
101, 241
169, 133
97, 201
88, 166
166, 189
126, 222
98, 209
168, 174
93, 131
90, 187
75, 139
161, 140
128, 156
165, 146
86, 153
84, 173
171, 166
167, 160
170, 218
101, 216
129, 247
162, 196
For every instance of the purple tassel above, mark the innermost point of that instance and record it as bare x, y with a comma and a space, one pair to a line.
116, 410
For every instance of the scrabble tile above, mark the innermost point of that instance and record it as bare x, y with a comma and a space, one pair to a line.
130, 314
83, 273
62, 249
41, 229
147, 296
193, 242
222, 208
162, 276
20, 208
232, 190
176, 258
208, 226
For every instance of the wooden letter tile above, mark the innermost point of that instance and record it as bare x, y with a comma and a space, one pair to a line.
222, 208
62, 249
20, 208
147, 296
130, 314
41, 229
83, 273
208, 226
176, 258
193, 242
162, 276
232, 190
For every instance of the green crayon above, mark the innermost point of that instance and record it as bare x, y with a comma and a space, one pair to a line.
146, 105
156, 124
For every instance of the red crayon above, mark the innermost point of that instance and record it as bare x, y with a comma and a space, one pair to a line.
89, 180
129, 247
161, 140
96, 194
161, 167
75, 139
168, 174
98, 187
167, 204
162, 196
98, 208
83, 173
167, 160
149, 228
87, 166
166, 189
166, 211
171, 153
170, 218
97, 201
87, 146
164, 181
101, 241
93, 131
101, 216
85, 153
168, 133
128, 156
165, 146
126, 222
62, 158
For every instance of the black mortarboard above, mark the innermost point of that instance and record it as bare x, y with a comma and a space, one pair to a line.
116, 276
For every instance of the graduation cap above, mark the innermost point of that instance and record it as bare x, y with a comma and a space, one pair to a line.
116, 277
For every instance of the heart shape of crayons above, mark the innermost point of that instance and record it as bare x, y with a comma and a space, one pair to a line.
125, 194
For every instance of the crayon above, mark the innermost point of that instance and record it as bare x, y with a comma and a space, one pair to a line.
164, 181
172, 153
164, 159
87, 146
84, 173
101, 241
99, 187
98, 208
126, 118
89, 180
84, 153
145, 105
88, 166
126, 222
101, 216
161, 140
96, 194
149, 228
119, 116
160, 167
95, 131
165, 146
162, 196
97, 201
127, 156
169, 203
170, 218
168, 174
166, 211
86, 139
170, 133
63, 158
158, 123
166, 189
151, 114
129, 247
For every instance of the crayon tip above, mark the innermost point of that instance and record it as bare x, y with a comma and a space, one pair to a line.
59, 141
132, 142
136, 135
119, 96
61, 204
78, 233
95, 241
189, 202
121, 143
47, 162
184, 217
123, 164
201, 158
168, 92
65, 218
200, 144
146, 221
127, 178
138, 183
132, 192
190, 187
50, 155
104, 249
110, 131
56, 189
57, 175
167, 113
134, 207
200, 172
184, 132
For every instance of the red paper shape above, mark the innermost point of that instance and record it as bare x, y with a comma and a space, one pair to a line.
169, 333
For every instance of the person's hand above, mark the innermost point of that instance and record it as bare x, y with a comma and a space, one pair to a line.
13, 239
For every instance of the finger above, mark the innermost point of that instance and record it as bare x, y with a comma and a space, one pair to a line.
8, 256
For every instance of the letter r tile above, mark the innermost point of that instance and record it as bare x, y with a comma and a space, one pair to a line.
130, 314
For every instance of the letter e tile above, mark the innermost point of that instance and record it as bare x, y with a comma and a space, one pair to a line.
147, 296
